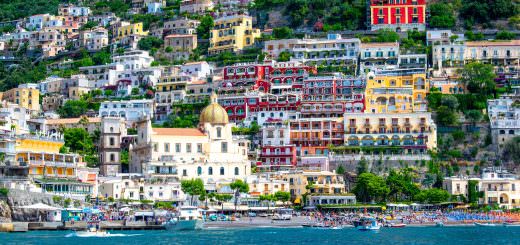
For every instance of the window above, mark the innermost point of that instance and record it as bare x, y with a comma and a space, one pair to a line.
210, 171
166, 147
178, 147
188, 147
199, 148
219, 132
112, 141
224, 147
112, 157
236, 171
184, 172
155, 147
199, 170
221, 170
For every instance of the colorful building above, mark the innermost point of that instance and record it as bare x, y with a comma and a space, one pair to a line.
277, 150
396, 91
399, 15
25, 97
390, 132
127, 29
232, 34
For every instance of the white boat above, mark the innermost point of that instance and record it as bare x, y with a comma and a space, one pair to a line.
485, 224
188, 218
92, 232
369, 224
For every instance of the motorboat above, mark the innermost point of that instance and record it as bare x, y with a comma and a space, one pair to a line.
92, 232
439, 224
368, 224
188, 218
485, 224
392, 225
511, 224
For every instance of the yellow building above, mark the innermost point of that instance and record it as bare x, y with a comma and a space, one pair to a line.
28, 98
396, 91
390, 132
314, 183
43, 158
127, 29
232, 33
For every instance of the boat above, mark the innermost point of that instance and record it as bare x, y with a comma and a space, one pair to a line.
188, 218
397, 225
511, 224
439, 224
369, 224
92, 232
485, 224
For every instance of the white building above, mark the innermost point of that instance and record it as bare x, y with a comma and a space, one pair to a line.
135, 59
197, 70
131, 110
209, 152
332, 50
136, 187
504, 118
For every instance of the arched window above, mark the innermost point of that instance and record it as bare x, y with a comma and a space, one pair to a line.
111, 129
219, 132
210, 171
199, 170
236, 171
221, 170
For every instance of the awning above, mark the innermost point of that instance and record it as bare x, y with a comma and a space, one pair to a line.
125, 209
40, 206
144, 213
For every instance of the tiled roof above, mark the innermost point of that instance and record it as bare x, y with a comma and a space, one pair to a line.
72, 120
178, 131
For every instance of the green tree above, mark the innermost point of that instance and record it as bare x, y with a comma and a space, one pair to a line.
283, 196
282, 33
340, 170
193, 187
78, 140
370, 187
362, 166
433, 195
479, 78
223, 198
206, 23
386, 35
505, 35
268, 198
150, 42
441, 15
450, 101
238, 186
101, 58
446, 116
284, 56
474, 116
73, 108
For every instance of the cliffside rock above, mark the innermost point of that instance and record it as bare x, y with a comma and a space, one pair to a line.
5, 211
20, 198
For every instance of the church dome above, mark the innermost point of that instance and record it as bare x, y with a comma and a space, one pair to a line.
214, 113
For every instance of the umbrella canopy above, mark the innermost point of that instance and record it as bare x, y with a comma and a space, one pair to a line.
125, 209
40, 206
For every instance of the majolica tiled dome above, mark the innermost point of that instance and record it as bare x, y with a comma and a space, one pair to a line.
214, 113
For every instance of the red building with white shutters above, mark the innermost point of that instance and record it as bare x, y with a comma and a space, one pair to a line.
247, 89
399, 15
276, 151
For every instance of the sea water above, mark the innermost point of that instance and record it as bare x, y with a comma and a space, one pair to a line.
409, 235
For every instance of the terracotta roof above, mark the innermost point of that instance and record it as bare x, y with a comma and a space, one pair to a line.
179, 35
378, 45
493, 43
198, 82
178, 131
72, 120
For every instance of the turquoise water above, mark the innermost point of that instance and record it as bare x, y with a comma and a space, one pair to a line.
408, 235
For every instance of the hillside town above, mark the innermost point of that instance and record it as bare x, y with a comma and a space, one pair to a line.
152, 104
